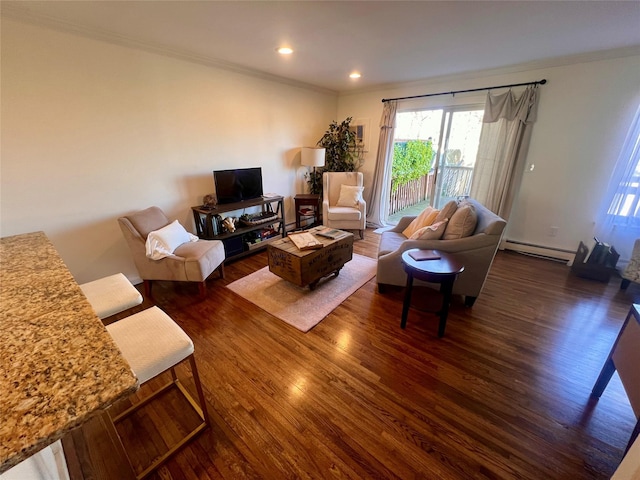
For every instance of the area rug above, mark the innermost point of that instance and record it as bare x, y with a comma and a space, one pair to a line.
300, 307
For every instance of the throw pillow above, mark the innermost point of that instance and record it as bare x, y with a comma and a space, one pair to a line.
447, 211
432, 232
162, 242
350, 196
426, 218
462, 223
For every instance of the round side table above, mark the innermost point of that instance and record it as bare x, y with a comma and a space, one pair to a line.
443, 270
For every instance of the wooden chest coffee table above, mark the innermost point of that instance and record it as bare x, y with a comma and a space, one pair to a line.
308, 267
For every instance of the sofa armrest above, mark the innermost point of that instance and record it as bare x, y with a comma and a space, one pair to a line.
448, 246
403, 223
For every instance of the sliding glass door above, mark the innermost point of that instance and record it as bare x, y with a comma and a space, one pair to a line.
456, 155
451, 135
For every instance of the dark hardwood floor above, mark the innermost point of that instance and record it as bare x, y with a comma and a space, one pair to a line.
505, 393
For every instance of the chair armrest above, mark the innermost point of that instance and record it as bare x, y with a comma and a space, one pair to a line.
362, 206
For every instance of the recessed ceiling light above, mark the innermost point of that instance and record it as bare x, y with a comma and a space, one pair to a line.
355, 75
285, 50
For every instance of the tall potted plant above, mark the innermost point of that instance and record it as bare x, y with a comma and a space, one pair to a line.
342, 153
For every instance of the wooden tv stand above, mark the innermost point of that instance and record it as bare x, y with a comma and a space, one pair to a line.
236, 244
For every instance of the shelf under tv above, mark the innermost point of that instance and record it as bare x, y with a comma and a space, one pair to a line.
235, 246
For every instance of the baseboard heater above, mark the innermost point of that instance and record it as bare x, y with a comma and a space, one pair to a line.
540, 250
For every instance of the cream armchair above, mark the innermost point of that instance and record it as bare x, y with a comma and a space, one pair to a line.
475, 252
190, 262
343, 209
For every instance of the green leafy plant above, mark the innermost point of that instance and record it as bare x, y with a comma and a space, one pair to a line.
314, 180
342, 153
411, 160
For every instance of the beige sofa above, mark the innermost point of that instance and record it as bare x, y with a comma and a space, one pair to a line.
476, 253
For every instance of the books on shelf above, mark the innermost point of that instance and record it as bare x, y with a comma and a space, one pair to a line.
305, 241
420, 255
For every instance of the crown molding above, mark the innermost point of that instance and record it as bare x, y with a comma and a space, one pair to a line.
519, 68
22, 13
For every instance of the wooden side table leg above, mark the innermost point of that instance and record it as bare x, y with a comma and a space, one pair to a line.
446, 287
407, 300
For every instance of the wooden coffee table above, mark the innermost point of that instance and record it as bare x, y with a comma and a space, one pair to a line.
443, 271
308, 267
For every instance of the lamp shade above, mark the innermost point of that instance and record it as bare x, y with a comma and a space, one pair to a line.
312, 156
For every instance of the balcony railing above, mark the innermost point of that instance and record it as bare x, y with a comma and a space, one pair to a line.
456, 182
408, 194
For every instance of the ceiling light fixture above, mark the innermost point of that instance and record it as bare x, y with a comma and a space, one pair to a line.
285, 50
355, 75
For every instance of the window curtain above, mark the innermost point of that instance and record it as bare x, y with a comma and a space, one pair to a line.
504, 141
618, 222
378, 198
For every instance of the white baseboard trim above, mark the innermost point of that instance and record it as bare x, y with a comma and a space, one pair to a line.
539, 250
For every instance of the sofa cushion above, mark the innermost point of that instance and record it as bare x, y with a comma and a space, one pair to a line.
431, 232
390, 242
426, 218
343, 214
447, 211
462, 223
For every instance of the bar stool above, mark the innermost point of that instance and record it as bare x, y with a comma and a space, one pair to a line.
111, 295
153, 343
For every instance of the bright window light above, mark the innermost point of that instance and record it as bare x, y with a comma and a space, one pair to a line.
355, 75
285, 50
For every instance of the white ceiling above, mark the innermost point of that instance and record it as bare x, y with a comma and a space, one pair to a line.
389, 42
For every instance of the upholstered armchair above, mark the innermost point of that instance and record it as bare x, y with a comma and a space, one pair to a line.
475, 252
191, 261
342, 204
632, 271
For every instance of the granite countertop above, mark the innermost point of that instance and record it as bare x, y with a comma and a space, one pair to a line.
59, 364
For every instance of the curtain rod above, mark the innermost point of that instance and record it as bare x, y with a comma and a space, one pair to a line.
540, 82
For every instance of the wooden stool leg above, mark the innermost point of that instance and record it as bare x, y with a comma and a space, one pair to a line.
147, 288
603, 379
634, 435
107, 422
196, 379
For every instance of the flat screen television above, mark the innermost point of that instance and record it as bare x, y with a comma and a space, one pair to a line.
238, 184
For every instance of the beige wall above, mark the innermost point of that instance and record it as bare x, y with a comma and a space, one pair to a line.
91, 131
584, 112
